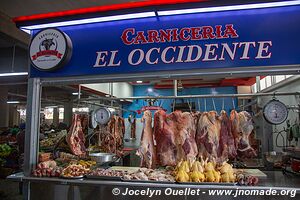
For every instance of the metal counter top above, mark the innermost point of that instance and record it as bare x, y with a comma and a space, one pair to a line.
275, 179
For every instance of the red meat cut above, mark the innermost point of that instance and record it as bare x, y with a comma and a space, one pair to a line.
75, 137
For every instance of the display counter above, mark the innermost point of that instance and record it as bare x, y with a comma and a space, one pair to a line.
59, 188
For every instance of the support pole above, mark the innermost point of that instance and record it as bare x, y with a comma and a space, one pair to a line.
175, 88
32, 130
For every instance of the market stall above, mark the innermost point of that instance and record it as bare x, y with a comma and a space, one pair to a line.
187, 140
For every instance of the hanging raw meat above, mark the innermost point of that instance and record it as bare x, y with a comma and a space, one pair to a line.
119, 134
84, 123
132, 122
147, 151
164, 132
208, 135
185, 136
246, 127
175, 137
196, 117
235, 127
227, 147
75, 137
111, 135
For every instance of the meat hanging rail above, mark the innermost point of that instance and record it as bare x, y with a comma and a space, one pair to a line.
104, 105
202, 96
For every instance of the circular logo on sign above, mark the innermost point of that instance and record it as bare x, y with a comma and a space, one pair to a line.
50, 49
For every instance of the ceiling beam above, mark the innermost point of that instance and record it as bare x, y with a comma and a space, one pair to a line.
11, 33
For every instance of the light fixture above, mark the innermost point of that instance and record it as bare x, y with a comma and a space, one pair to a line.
26, 30
13, 102
122, 100
139, 81
149, 89
90, 20
229, 8
107, 95
51, 107
14, 74
76, 93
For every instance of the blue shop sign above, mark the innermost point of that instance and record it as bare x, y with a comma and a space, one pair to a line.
232, 39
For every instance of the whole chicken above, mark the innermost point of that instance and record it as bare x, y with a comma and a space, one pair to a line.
182, 176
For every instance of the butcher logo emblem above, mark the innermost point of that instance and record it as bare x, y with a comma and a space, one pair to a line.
48, 47
47, 43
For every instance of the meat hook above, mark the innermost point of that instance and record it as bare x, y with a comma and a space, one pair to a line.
214, 105
174, 102
223, 103
233, 106
190, 106
199, 105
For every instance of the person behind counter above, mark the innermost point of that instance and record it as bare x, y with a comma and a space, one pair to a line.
21, 138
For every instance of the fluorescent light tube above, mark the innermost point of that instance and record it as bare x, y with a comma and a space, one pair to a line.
13, 102
51, 107
14, 74
90, 20
228, 8
26, 30
139, 81
75, 93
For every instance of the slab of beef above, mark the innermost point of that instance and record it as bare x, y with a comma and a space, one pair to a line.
75, 137
246, 127
235, 127
208, 135
119, 135
106, 136
164, 133
175, 137
147, 150
132, 122
185, 136
227, 147
111, 135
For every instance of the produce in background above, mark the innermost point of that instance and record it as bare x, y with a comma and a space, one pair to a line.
5, 150
147, 151
44, 156
53, 139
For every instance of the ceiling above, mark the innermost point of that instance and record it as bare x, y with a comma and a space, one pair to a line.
15, 8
